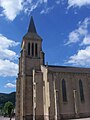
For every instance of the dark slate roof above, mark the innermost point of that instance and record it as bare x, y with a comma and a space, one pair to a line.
32, 33
32, 36
67, 69
32, 28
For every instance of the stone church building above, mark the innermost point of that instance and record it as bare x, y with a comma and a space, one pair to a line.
48, 92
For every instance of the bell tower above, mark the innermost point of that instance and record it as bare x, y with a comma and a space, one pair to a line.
32, 44
31, 57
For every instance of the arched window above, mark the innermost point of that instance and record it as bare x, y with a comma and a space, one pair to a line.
81, 91
28, 48
36, 50
32, 49
64, 93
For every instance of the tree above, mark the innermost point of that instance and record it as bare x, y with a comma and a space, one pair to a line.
8, 108
1, 110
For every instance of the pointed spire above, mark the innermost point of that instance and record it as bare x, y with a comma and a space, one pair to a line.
32, 33
32, 28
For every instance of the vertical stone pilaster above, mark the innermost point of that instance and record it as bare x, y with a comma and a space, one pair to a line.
23, 82
34, 95
75, 103
55, 101
18, 99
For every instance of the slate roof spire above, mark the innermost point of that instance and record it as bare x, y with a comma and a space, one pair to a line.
32, 33
32, 28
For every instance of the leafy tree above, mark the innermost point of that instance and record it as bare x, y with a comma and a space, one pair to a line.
8, 108
1, 110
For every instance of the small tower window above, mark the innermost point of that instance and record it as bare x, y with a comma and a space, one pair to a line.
64, 93
32, 49
81, 91
36, 49
28, 48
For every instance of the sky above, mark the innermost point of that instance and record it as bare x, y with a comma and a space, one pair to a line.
64, 26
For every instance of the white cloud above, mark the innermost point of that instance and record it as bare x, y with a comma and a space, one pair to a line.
1, 15
32, 7
5, 44
15, 81
29, 1
79, 34
86, 40
10, 85
73, 37
8, 68
79, 3
8, 54
45, 1
46, 10
11, 8
82, 58
58, 2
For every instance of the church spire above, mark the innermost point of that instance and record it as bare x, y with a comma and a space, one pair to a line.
32, 28
32, 33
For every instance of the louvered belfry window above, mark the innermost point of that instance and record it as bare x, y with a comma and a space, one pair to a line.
28, 48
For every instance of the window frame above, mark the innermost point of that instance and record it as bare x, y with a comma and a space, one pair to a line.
64, 91
29, 48
32, 49
81, 91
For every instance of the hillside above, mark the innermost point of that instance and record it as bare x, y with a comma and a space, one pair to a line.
7, 97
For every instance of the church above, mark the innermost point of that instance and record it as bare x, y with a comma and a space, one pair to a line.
49, 92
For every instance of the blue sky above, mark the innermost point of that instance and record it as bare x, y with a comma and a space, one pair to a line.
64, 26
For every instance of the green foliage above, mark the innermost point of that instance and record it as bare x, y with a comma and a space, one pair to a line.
8, 108
1, 110
7, 97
